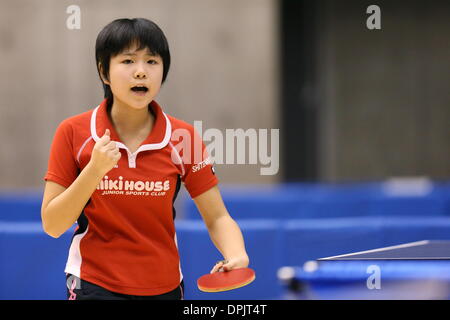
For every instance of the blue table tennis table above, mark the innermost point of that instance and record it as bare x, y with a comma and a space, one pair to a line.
409, 271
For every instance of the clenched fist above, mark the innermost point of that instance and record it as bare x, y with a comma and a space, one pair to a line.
105, 154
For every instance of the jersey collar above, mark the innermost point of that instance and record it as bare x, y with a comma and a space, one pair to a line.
158, 138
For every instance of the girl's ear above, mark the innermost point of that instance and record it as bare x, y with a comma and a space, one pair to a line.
105, 81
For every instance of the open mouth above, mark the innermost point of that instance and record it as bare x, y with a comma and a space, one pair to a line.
139, 89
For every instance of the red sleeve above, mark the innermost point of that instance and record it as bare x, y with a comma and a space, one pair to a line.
62, 166
199, 175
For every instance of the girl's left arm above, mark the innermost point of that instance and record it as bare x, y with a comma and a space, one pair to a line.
223, 230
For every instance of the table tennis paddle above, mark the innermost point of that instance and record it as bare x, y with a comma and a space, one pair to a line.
226, 280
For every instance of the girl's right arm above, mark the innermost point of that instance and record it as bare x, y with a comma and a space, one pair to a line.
62, 206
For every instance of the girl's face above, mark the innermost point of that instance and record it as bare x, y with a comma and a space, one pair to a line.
131, 69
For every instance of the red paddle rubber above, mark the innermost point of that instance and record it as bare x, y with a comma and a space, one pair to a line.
226, 280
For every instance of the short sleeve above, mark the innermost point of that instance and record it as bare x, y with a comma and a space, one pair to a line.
62, 165
199, 174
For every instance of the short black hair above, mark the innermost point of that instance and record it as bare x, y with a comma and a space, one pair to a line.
122, 34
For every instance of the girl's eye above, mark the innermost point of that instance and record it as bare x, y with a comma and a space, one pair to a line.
127, 61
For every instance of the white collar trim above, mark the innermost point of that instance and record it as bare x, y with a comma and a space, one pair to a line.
144, 147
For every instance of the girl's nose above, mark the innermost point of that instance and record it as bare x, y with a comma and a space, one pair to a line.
140, 74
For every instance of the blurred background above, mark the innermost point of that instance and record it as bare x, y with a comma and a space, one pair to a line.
363, 117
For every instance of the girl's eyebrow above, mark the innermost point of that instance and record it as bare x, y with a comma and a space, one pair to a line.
134, 54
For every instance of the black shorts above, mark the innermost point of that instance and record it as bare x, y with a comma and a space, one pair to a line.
78, 289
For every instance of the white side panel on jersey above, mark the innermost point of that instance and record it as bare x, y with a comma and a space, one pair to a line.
74, 261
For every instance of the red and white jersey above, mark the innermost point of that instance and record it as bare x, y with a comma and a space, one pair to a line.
125, 240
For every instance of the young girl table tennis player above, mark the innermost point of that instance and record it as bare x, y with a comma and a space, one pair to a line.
111, 170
